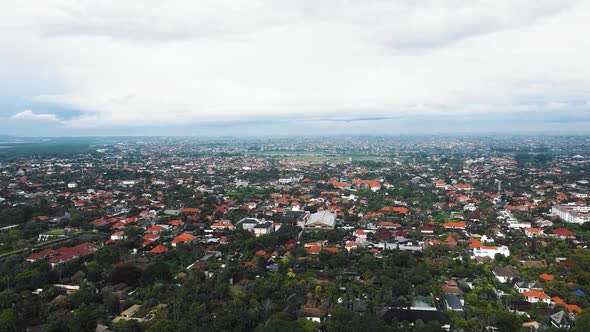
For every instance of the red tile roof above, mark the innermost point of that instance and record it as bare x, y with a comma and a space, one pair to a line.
190, 210
183, 238
454, 224
537, 294
159, 249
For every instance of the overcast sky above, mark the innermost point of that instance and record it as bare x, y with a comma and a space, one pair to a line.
232, 67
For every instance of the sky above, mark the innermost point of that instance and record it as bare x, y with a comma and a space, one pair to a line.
277, 67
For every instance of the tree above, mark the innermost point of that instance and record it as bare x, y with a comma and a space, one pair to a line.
156, 272
127, 273
84, 318
164, 325
583, 321
127, 326
7, 320
107, 256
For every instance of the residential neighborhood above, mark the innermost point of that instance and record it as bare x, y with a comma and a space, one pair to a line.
398, 234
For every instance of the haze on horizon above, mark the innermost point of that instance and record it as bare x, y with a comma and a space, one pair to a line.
77, 68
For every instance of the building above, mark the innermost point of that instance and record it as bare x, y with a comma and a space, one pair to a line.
321, 220
480, 250
457, 225
63, 254
533, 232
263, 228
454, 302
504, 273
183, 238
562, 233
294, 218
361, 236
248, 223
120, 235
222, 226
536, 296
523, 286
577, 214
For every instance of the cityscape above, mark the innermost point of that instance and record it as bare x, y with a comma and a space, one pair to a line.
286, 166
327, 233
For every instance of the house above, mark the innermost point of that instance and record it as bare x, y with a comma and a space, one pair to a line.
388, 225
486, 239
120, 235
129, 314
222, 226
175, 223
536, 296
150, 239
361, 236
183, 238
63, 254
397, 210
523, 286
263, 228
561, 320
248, 223
479, 250
159, 249
460, 225
321, 220
415, 315
427, 229
190, 211
571, 308
533, 232
504, 274
340, 185
463, 187
156, 229
470, 207
374, 185
454, 302
533, 326
451, 287
563, 233
359, 306
311, 310
350, 245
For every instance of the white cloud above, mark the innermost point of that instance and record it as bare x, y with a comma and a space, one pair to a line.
30, 115
126, 63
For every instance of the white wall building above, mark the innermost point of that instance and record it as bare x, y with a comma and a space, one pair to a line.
490, 251
577, 214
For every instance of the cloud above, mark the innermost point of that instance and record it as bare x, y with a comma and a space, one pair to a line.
125, 64
356, 119
30, 115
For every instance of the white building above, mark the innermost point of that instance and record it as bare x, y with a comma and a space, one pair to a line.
249, 223
117, 236
321, 220
512, 221
536, 296
263, 228
128, 182
470, 207
577, 214
490, 251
